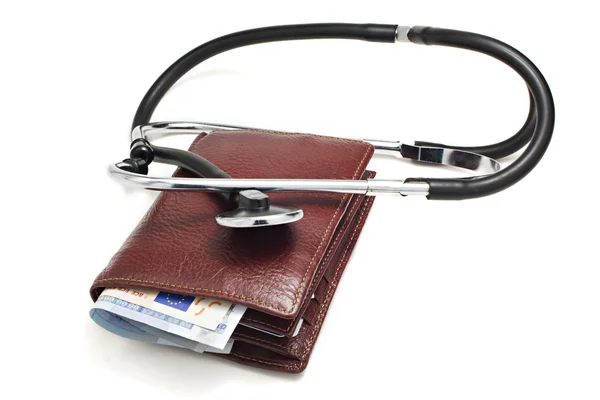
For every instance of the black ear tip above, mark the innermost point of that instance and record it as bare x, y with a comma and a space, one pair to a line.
135, 165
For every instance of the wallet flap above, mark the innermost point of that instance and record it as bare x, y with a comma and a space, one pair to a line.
178, 246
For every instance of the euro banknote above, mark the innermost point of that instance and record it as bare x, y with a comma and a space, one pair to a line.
116, 303
137, 331
202, 311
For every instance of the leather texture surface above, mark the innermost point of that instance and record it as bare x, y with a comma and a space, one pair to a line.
275, 271
292, 354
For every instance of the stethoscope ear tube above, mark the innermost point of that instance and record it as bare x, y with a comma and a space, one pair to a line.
456, 189
501, 149
230, 187
537, 129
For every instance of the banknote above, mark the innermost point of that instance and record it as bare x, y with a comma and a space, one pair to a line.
180, 341
217, 338
135, 330
202, 311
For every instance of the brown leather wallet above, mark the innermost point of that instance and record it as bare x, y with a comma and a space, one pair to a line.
286, 275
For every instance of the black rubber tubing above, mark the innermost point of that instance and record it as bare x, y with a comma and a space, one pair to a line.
456, 189
501, 149
194, 164
369, 32
199, 165
372, 32
439, 188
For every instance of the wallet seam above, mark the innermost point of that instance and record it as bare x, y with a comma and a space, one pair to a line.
333, 286
286, 366
313, 283
323, 307
270, 306
341, 233
262, 341
344, 199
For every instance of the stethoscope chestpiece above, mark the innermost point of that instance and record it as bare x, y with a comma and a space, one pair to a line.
254, 210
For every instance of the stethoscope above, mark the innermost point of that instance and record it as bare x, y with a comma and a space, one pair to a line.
251, 206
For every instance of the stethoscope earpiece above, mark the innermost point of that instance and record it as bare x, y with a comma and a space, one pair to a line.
134, 165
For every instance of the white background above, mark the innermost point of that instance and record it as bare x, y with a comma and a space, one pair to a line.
485, 299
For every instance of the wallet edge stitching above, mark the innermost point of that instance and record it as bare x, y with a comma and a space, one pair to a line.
324, 306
